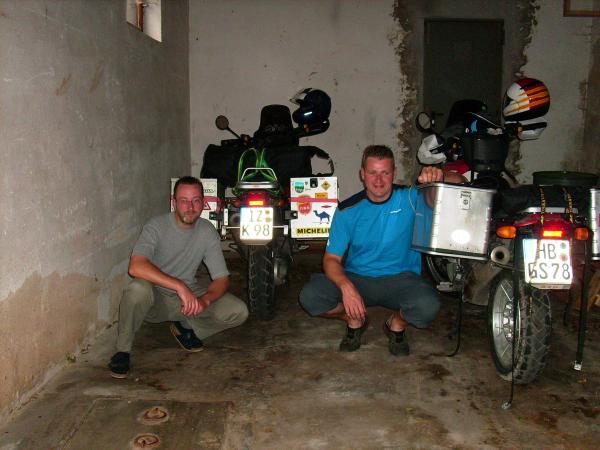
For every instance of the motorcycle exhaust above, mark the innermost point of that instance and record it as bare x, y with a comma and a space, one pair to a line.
500, 255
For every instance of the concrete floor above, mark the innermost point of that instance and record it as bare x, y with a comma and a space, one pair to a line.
284, 385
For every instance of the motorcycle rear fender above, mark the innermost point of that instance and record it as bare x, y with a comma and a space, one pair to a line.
477, 282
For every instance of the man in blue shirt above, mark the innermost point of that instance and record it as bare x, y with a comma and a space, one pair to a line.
368, 260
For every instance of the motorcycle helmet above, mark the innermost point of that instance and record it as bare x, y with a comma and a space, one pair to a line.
431, 150
526, 99
314, 107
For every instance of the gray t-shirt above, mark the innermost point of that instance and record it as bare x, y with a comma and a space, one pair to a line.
178, 252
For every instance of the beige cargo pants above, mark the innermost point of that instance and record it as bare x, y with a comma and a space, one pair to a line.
142, 301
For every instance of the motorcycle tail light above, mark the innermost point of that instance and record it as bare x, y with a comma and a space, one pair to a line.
256, 199
581, 234
555, 230
549, 234
507, 232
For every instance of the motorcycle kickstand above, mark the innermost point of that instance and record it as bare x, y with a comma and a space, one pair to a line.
457, 328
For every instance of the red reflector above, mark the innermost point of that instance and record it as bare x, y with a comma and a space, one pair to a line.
256, 203
552, 233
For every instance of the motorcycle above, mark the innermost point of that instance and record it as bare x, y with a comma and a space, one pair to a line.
537, 242
258, 168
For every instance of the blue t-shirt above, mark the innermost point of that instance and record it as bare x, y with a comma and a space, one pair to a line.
377, 236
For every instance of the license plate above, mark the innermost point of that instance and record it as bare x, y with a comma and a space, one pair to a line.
551, 267
256, 224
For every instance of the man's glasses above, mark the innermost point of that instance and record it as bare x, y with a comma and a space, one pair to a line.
186, 202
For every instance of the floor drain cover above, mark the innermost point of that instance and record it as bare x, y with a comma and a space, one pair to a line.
146, 440
154, 416
150, 424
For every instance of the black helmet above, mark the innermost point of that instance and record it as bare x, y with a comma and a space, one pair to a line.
315, 106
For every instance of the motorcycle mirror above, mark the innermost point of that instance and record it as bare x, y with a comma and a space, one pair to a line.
222, 123
424, 122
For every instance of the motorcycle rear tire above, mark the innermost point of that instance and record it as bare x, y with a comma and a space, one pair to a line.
261, 282
438, 268
533, 330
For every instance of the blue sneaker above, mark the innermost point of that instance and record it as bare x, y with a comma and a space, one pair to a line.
186, 338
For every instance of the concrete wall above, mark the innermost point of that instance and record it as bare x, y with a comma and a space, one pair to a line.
591, 139
559, 54
368, 56
94, 121
244, 55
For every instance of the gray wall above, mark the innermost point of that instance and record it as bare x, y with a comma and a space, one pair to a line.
368, 56
94, 120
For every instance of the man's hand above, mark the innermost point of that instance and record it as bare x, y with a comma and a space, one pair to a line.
430, 174
354, 304
190, 304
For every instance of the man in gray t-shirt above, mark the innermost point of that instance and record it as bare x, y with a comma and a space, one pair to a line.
163, 263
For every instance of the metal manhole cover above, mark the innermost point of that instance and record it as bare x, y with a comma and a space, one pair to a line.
149, 424
154, 416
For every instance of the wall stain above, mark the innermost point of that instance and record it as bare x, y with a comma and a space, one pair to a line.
64, 85
405, 43
3, 14
41, 322
526, 22
97, 77
407, 135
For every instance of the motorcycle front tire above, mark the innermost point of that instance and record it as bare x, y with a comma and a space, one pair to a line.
261, 282
533, 330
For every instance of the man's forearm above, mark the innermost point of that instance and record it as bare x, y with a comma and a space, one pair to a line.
332, 266
216, 289
141, 267
454, 177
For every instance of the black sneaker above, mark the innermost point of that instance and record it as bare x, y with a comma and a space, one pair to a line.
352, 340
186, 338
397, 343
119, 365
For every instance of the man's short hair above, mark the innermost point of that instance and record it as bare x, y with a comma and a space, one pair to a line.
379, 152
191, 181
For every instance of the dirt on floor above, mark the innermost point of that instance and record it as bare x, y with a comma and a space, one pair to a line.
283, 384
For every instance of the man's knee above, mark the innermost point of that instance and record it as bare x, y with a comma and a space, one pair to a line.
138, 292
316, 297
235, 312
426, 310
307, 293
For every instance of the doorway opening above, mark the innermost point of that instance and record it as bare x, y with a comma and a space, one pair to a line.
463, 61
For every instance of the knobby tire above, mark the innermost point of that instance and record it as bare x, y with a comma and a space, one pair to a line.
533, 331
261, 283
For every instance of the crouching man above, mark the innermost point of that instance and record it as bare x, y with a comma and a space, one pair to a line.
368, 260
164, 263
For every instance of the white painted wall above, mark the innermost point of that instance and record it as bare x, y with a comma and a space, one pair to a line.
247, 54
244, 55
560, 55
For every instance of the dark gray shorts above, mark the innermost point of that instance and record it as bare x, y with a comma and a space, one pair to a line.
407, 292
